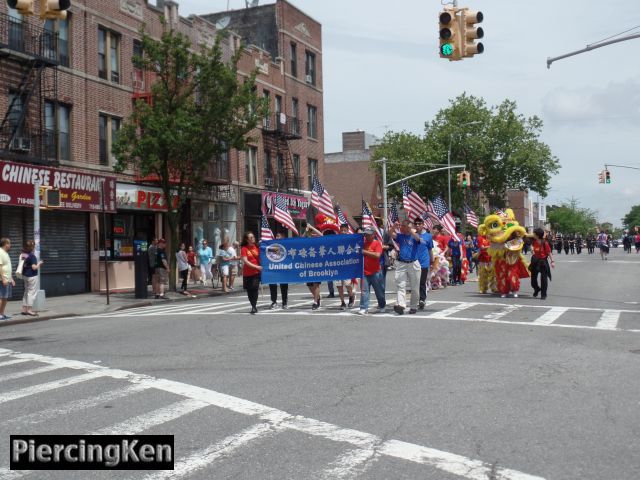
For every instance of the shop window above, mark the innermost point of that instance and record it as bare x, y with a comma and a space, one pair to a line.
122, 230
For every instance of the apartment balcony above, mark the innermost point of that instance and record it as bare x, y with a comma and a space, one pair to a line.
283, 125
20, 38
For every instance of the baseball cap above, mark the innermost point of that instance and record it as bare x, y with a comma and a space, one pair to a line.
369, 231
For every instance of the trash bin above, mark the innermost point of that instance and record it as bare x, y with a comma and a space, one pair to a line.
141, 267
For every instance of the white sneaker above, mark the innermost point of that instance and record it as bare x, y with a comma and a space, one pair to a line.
362, 312
515, 295
504, 295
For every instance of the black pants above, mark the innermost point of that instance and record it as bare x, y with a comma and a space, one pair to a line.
424, 277
542, 268
252, 286
457, 268
284, 291
184, 274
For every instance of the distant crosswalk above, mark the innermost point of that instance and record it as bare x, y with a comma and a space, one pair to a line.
207, 446
489, 312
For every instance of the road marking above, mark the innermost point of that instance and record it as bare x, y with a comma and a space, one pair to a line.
550, 316
13, 362
203, 458
609, 320
352, 464
27, 373
451, 310
135, 425
275, 420
502, 313
77, 405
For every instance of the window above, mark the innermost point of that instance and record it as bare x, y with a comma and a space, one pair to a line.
15, 113
310, 67
108, 55
251, 166
294, 59
295, 123
138, 78
282, 175
57, 120
312, 125
267, 95
313, 171
59, 52
16, 30
296, 170
278, 105
268, 171
108, 132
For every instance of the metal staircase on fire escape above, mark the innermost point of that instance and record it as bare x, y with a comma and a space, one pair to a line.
28, 73
278, 130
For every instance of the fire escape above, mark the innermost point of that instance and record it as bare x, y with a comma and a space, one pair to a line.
278, 130
29, 76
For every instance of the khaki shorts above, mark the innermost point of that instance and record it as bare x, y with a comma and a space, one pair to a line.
163, 276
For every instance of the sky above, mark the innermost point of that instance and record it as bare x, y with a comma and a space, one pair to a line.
382, 72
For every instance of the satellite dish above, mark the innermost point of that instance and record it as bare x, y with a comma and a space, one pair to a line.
223, 22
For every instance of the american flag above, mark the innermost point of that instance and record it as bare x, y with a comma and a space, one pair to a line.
282, 215
472, 218
265, 230
412, 202
342, 219
392, 215
368, 221
498, 211
320, 198
429, 216
444, 216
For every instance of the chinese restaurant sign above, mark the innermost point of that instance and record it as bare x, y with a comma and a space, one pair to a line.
79, 191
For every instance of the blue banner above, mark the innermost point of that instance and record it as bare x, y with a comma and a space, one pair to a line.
314, 259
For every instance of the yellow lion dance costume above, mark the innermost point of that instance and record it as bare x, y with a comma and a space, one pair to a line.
505, 236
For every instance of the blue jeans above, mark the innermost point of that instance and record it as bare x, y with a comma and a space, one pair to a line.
377, 282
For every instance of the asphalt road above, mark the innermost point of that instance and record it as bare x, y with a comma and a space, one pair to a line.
473, 387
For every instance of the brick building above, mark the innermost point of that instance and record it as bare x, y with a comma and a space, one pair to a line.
65, 89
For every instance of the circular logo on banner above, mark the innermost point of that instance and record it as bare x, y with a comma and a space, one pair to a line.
276, 253
4, 198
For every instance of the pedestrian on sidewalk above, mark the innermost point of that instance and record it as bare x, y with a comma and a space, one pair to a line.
425, 257
162, 268
284, 287
194, 271
5, 273
372, 252
234, 268
183, 268
226, 254
407, 266
152, 256
30, 268
540, 263
251, 269
205, 257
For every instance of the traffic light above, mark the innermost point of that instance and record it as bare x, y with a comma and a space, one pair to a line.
601, 176
470, 33
466, 179
459, 177
52, 198
54, 9
25, 7
450, 35
607, 176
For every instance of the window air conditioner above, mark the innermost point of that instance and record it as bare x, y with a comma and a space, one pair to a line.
20, 144
268, 182
309, 79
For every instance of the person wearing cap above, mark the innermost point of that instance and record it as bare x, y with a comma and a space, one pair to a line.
372, 252
162, 268
407, 266
425, 257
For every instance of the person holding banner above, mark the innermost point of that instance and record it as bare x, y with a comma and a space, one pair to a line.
372, 252
344, 230
314, 287
407, 266
284, 287
251, 269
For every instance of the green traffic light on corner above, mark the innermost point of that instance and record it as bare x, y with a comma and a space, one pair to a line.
447, 49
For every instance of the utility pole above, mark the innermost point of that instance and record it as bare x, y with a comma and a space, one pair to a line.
593, 46
383, 161
39, 302
449, 171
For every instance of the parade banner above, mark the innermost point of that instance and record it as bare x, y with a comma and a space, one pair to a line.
315, 259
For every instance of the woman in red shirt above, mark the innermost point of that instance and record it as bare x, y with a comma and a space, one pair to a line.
251, 269
540, 263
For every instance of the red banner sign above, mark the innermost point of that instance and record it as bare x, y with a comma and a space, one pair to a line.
297, 205
78, 190
142, 197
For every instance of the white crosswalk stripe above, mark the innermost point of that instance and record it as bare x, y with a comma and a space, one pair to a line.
363, 448
550, 316
609, 319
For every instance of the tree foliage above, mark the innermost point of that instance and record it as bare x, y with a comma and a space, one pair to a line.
500, 147
632, 219
570, 218
199, 109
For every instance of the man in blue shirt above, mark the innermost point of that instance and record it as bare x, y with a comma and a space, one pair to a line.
407, 266
456, 258
425, 257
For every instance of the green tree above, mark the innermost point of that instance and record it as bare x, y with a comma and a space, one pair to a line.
632, 219
199, 109
570, 218
500, 147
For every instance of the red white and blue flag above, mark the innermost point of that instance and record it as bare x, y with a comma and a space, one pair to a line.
472, 218
369, 221
265, 230
444, 216
413, 204
282, 215
342, 219
321, 199
392, 214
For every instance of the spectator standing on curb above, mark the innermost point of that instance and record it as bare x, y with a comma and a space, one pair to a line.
407, 266
251, 269
235, 266
183, 268
425, 257
5, 273
205, 255
372, 252
191, 260
284, 287
162, 268
30, 268
152, 255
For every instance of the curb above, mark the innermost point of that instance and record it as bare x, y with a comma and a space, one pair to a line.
7, 323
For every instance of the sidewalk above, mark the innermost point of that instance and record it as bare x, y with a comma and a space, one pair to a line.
96, 303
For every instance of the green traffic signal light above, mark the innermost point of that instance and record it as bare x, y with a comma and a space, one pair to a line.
464, 181
608, 176
447, 49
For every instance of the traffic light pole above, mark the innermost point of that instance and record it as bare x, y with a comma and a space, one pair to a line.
607, 165
588, 48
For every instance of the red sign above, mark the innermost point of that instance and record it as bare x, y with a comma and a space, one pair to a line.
297, 205
141, 197
78, 190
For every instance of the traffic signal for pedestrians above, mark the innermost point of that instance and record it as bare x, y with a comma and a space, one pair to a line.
54, 9
466, 179
470, 33
607, 176
450, 40
601, 176
52, 198
24, 7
